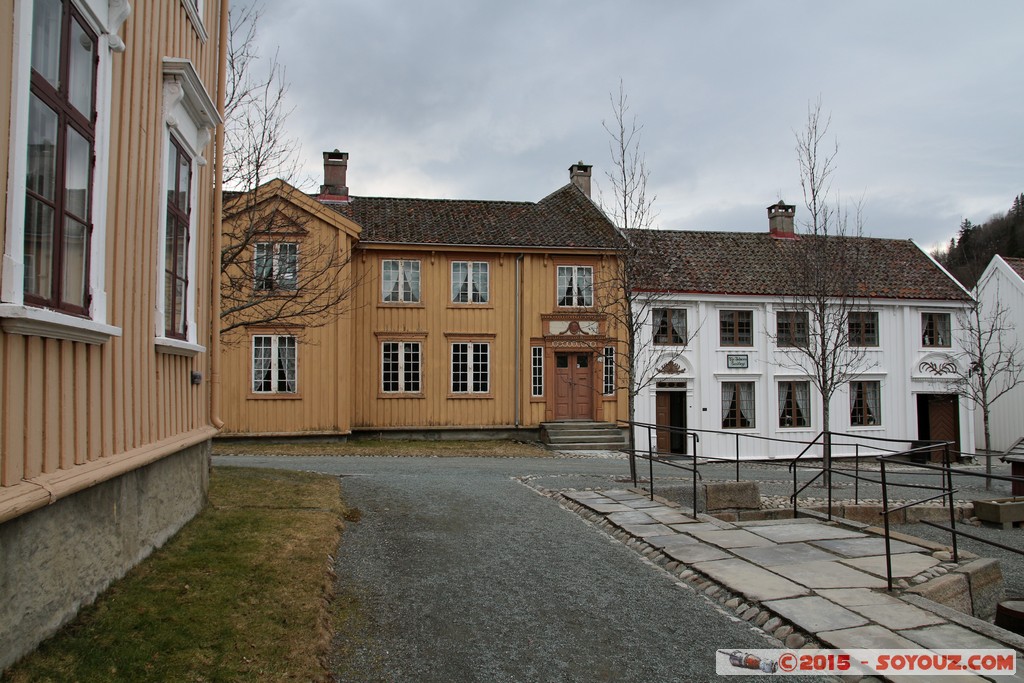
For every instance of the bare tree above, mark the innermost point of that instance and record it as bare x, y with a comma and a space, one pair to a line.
274, 271
992, 360
827, 271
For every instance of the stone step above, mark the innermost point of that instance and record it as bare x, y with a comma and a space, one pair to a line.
585, 438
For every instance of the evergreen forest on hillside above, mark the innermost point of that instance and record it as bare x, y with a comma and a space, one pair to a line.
973, 247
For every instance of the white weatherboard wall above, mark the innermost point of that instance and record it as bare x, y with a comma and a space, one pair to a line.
900, 363
1001, 283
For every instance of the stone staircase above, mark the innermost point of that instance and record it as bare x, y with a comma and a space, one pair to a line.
582, 435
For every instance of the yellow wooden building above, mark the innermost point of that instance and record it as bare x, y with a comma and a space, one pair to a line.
108, 353
461, 315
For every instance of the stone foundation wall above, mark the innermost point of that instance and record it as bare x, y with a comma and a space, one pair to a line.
58, 558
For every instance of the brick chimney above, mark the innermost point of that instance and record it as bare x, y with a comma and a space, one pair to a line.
335, 170
780, 220
579, 175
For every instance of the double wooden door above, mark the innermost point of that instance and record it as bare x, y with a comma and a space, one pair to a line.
574, 386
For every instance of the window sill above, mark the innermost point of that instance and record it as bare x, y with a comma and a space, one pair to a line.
177, 347
273, 397
468, 395
42, 322
400, 304
399, 394
471, 306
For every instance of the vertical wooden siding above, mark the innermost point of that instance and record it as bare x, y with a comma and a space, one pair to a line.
66, 403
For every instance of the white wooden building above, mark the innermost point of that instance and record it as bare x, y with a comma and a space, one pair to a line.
721, 312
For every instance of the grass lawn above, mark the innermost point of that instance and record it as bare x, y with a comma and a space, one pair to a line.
242, 593
379, 447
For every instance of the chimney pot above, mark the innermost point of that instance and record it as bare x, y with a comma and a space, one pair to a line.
780, 220
335, 171
579, 175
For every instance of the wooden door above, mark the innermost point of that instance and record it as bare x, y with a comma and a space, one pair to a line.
574, 386
944, 422
670, 411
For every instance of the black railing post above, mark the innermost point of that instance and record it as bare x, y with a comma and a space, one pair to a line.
795, 468
856, 474
693, 475
737, 457
829, 494
952, 507
885, 519
650, 474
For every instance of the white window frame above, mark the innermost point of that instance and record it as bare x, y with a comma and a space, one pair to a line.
276, 267
105, 18
402, 380
536, 371
807, 414
877, 413
475, 371
473, 295
194, 9
189, 116
753, 403
275, 360
404, 271
608, 358
572, 280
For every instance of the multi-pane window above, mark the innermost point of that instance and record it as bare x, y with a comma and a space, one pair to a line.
863, 328
276, 266
400, 281
791, 328
935, 330
59, 177
609, 370
669, 326
794, 404
736, 328
273, 364
737, 405
470, 283
865, 404
176, 237
471, 368
575, 286
400, 367
537, 371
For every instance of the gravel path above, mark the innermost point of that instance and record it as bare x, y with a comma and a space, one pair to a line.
457, 571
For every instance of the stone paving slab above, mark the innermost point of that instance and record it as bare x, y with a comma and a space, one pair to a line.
669, 516
865, 547
898, 617
696, 526
605, 508
871, 637
947, 636
814, 613
644, 503
622, 494
776, 522
855, 597
903, 566
692, 553
828, 574
750, 580
631, 517
671, 540
733, 538
787, 553
803, 532
645, 530
582, 495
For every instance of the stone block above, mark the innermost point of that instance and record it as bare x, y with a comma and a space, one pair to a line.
731, 495
869, 514
931, 513
985, 578
951, 590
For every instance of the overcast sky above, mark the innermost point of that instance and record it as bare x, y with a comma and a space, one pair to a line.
494, 100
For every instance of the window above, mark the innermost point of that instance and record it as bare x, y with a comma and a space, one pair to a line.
470, 368
400, 367
537, 371
794, 404
865, 404
176, 237
863, 327
59, 173
469, 282
791, 328
401, 281
737, 328
273, 364
737, 405
669, 326
575, 286
276, 266
609, 370
935, 329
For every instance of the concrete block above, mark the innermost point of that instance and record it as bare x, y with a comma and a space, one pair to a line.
985, 578
729, 495
951, 590
868, 514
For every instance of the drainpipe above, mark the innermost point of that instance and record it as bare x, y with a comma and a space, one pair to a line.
218, 213
518, 345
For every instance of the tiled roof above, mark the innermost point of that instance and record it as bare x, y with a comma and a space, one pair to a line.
744, 263
565, 218
1017, 264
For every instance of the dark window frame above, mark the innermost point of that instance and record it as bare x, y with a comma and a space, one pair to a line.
736, 327
936, 330
664, 323
178, 222
792, 329
862, 328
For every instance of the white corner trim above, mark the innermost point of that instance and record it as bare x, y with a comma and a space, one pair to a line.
42, 322
197, 21
177, 347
